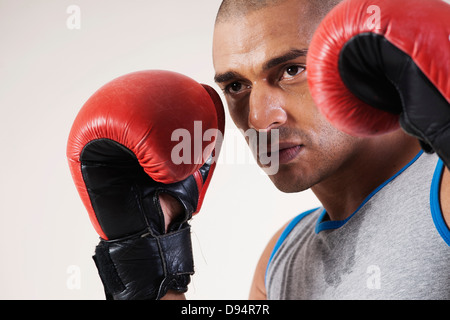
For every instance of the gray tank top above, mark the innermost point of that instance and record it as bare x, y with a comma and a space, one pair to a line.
396, 245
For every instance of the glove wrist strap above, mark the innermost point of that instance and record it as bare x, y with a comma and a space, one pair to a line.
145, 267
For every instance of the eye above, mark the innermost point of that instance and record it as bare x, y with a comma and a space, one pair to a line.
235, 88
291, 72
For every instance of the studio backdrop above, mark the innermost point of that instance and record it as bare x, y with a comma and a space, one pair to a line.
54, 55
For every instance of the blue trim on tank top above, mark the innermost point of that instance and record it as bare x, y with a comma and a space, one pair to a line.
335, 224
326, 225
286, 232
435, 204
436, 211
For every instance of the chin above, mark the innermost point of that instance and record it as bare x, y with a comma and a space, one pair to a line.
288, 182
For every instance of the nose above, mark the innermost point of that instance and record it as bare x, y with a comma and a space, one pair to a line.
266, 108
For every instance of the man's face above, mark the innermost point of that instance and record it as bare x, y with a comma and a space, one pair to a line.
260, 63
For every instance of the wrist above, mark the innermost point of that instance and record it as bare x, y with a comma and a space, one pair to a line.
171, 208
174, 295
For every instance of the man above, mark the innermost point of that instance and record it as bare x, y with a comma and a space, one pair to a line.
260, 50
382, 231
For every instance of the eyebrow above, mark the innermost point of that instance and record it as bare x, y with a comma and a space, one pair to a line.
290, 55
227, 76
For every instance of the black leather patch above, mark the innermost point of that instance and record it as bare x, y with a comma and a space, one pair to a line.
113, 177
385, 77
362, 65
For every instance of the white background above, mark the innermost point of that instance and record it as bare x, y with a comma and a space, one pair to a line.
47, 72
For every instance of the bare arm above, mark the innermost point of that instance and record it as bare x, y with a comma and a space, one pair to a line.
258, 288
445, 196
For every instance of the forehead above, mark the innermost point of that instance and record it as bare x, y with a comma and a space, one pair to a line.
251, 40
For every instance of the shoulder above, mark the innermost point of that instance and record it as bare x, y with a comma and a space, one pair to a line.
258, 288
445, 196
440, 200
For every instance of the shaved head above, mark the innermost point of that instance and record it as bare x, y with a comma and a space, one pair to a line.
259, 53
237, 8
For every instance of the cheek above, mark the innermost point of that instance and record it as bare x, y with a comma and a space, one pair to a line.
239, 114
334, 145
322, 135
302, 109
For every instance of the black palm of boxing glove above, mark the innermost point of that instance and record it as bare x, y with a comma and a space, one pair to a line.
121, 153
147, 264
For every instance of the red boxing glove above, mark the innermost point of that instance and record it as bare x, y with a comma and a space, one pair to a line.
120, 153
375, 64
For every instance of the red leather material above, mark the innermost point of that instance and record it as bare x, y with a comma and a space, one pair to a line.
218, 143
420, 28
140, 111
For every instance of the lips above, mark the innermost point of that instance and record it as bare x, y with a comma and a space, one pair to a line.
287, 151
287, 154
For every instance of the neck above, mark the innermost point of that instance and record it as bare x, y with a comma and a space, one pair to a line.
378, 160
